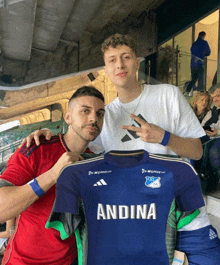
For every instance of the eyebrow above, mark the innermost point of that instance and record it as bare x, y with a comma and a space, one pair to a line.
120, 54
89, 107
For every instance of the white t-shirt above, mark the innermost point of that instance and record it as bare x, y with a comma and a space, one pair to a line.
163, 105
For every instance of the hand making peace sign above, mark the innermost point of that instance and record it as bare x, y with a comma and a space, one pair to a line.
148, 132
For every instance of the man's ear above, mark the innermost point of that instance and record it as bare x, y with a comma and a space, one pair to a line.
137, 63
67, 117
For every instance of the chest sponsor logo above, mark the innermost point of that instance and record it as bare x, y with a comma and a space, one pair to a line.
152, 171
99, 172
153, 182
109, 212
132, 135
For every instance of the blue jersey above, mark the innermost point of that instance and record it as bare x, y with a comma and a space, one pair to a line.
126, 197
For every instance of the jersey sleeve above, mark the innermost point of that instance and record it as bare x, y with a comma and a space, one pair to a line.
65, 215
67, 191
20, 168
188, 189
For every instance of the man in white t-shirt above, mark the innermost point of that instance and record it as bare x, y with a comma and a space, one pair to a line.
140, 115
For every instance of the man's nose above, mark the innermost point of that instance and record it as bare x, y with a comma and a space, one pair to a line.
120, 63
93, 117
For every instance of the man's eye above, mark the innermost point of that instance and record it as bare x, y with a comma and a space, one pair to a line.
85, 111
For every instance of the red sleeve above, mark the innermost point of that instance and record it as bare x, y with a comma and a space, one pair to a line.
19, 169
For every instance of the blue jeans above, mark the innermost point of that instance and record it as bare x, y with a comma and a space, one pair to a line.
196, 74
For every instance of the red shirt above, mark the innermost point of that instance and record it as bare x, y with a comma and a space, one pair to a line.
32, 243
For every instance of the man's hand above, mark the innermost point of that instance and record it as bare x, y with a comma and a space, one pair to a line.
211, 133
66, 159
36, 135
148, 132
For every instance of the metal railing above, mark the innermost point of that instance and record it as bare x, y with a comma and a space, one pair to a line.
7, 150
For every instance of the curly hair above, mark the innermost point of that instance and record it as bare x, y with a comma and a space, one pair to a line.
119, 39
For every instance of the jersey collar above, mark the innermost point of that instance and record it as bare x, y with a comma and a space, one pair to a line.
61, 137
126, 158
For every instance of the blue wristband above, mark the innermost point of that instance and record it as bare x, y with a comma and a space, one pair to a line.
166, 138
36, 188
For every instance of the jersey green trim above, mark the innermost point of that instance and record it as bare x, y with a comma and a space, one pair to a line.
79, 247
186, 220
59, 227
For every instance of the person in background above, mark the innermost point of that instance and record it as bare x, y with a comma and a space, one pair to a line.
209, 165
200, 48
201, 104
27, 186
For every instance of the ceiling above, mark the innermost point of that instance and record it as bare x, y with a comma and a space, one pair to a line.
29, 28
28, 25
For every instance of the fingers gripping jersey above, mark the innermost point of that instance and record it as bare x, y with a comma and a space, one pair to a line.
126, 200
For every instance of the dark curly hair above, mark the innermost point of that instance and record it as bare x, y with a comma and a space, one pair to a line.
119, 39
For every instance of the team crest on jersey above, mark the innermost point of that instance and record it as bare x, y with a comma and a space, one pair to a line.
152, 182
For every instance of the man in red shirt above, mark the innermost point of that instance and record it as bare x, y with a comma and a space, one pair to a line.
27, 187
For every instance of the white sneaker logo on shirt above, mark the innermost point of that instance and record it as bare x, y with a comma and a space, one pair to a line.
101, 182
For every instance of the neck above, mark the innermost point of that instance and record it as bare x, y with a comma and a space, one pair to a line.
128, 94
75, 143
199, 111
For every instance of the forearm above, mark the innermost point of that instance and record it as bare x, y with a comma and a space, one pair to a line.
190, 148
15, 199
5, 234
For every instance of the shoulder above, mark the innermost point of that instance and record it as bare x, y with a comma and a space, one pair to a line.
112, 105
165, 92
174, 163
44, 144
161, 88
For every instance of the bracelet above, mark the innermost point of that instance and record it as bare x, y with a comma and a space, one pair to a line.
166, 138
36, 188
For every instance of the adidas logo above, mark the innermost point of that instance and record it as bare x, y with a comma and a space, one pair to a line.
101, 182
133, 134
212, 234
